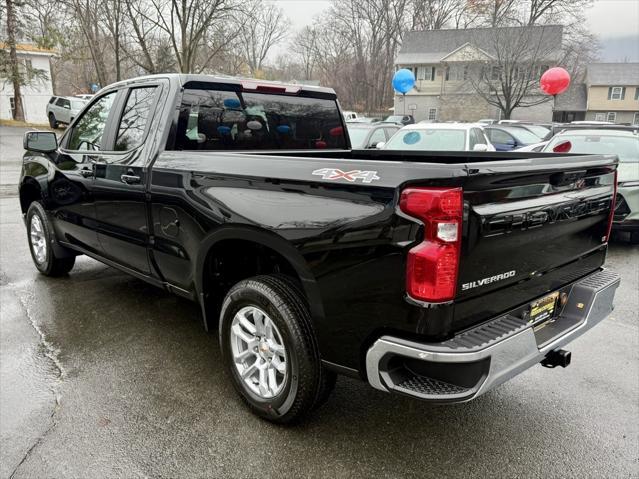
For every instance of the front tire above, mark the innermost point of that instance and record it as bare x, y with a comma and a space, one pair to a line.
40, 237
53, 123
270, 351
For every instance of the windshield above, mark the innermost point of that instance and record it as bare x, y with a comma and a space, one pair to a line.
540, 131
357, 136
523, 135
212, 119
428, 139
394, 118
627, 148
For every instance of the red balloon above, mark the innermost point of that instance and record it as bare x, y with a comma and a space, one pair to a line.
555, 81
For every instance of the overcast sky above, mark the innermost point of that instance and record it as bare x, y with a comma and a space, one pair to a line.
607, 18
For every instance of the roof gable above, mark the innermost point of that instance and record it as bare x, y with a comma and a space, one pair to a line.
467, 53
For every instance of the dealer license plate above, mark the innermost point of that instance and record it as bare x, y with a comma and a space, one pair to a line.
543, 309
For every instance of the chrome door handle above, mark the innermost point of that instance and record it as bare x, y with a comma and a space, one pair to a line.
130, 179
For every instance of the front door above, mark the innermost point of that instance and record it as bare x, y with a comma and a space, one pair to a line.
71, 191
120, 189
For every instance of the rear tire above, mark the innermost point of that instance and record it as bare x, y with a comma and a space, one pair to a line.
53, 123
40, 236
265, 324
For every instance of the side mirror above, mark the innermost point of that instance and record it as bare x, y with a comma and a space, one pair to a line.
380, 145
480, 147
41, 141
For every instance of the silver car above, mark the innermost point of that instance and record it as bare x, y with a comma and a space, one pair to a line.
61, 109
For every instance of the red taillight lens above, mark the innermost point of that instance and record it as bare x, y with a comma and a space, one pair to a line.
431, 273
613, 203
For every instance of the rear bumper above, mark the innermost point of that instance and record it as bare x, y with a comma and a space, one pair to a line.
481, 358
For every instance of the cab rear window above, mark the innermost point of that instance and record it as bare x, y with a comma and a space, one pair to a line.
239, 120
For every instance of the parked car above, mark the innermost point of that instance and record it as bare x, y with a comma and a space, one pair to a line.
510, 137
436, 275
487, 121
349, 115
61, 109
624, 144
364, 119
534, 147
541, 131
363, 135
440, 137
400, 119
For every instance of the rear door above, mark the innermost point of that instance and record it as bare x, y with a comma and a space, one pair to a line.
120, 180
529, 227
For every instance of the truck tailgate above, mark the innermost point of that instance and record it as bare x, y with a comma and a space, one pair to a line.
529, 227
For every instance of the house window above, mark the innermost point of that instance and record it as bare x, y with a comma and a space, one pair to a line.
425, 73
637, 93
495, 73
432, 114
600, 117
635, 118
457, 73
616, 92
612, 116
12, 105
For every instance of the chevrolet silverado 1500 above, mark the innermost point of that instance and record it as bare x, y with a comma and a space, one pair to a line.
437, 275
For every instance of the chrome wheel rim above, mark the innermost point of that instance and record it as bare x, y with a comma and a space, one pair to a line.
258, 352
38, 239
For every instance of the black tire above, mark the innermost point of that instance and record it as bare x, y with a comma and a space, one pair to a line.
53, 123
307, 384
48, 264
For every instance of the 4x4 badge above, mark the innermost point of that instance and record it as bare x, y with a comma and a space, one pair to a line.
351, 176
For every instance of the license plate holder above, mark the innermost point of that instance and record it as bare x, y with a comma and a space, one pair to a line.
543, 309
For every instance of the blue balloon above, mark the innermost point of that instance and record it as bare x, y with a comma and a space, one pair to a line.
224, 130
283, 129
403, 81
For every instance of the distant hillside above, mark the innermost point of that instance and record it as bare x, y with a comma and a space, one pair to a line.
620, 49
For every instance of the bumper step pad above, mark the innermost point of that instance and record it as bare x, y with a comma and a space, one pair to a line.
423, 386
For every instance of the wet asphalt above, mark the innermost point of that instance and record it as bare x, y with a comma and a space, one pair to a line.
102, 375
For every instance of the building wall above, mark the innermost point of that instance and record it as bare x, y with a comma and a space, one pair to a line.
541, 112
465, 107
34, 97
598, 99
422, 103
620, 117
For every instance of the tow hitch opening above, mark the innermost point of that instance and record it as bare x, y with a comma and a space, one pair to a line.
559, 357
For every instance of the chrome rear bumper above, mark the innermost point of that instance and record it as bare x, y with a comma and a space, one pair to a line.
481, 358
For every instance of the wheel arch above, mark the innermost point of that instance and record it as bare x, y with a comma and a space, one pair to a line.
263, 239
29, 191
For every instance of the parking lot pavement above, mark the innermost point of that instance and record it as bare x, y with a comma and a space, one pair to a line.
102, 375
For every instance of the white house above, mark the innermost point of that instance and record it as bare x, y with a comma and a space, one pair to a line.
35, 95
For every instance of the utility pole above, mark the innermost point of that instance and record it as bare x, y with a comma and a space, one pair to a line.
18, 112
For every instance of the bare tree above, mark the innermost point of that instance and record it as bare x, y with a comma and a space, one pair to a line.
87, 15
13, 70
112, 16
186, 23
435, 14
304, 45
510, 79
264, 26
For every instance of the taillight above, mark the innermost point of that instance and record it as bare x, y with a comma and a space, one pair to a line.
431, 273
613, 203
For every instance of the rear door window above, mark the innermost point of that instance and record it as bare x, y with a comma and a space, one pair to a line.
134, 119
211, 119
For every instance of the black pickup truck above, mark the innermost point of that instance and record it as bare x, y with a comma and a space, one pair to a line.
436, 275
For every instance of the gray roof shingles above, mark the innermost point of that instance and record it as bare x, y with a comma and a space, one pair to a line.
573, 99
612, 74
430, 46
